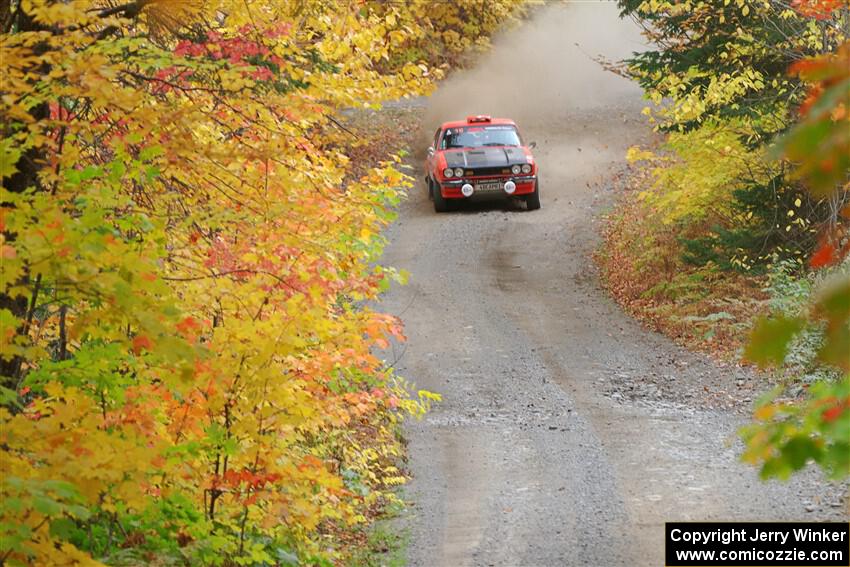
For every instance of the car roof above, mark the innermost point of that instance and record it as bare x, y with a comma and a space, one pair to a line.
458, 123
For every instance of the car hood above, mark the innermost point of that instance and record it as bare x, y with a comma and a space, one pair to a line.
485, 157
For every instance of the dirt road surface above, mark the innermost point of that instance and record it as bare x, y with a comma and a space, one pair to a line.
568, 434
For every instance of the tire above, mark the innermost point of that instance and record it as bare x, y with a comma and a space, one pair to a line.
441, 205
532, 201
430, 187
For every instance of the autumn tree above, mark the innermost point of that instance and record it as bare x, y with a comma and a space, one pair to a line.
789, 434
188, 367
723, 68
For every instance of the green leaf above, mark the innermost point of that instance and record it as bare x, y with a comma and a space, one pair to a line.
770, 338
9, 156
150, 152
46, 506
62, 528
63, 489
799, 450
835, 301
9, 397
836, 347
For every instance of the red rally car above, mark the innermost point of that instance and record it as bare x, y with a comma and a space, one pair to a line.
480, 157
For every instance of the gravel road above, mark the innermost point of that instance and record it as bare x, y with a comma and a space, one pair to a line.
568, 434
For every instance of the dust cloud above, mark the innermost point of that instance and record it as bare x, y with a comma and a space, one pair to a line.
538, 74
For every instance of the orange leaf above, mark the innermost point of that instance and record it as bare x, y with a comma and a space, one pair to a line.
765, 412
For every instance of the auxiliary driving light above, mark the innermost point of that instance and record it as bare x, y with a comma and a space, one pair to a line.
467, 190
510, 187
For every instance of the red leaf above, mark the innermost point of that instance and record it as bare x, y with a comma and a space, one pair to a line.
836, 411
824, 256
141, 342
188, 326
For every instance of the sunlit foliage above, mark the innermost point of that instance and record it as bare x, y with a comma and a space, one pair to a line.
188, 367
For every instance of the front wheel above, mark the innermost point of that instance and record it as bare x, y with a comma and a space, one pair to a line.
532, 201
441, 205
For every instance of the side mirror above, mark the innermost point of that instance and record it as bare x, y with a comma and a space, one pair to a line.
430, 150
532, 145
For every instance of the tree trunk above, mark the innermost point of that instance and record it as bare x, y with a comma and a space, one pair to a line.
28, 166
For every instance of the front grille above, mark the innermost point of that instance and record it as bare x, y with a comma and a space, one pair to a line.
486, 171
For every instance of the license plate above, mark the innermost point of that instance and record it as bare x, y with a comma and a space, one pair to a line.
490, 187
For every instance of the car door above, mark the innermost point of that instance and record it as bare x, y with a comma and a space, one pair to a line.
430, 161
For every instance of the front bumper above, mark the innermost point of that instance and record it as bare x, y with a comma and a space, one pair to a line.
450, 189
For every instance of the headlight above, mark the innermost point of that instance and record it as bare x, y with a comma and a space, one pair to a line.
526, 168
516, 169
458, 172
448, 172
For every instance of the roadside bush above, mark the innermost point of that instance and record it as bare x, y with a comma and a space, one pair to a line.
791, 289
769, 82
766, 222
641, 261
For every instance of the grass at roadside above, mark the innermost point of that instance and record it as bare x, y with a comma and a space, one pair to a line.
383, 543
704, 308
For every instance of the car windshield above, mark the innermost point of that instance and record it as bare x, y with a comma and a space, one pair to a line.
480, 136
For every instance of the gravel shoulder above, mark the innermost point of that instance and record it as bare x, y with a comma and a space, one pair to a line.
568, 433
